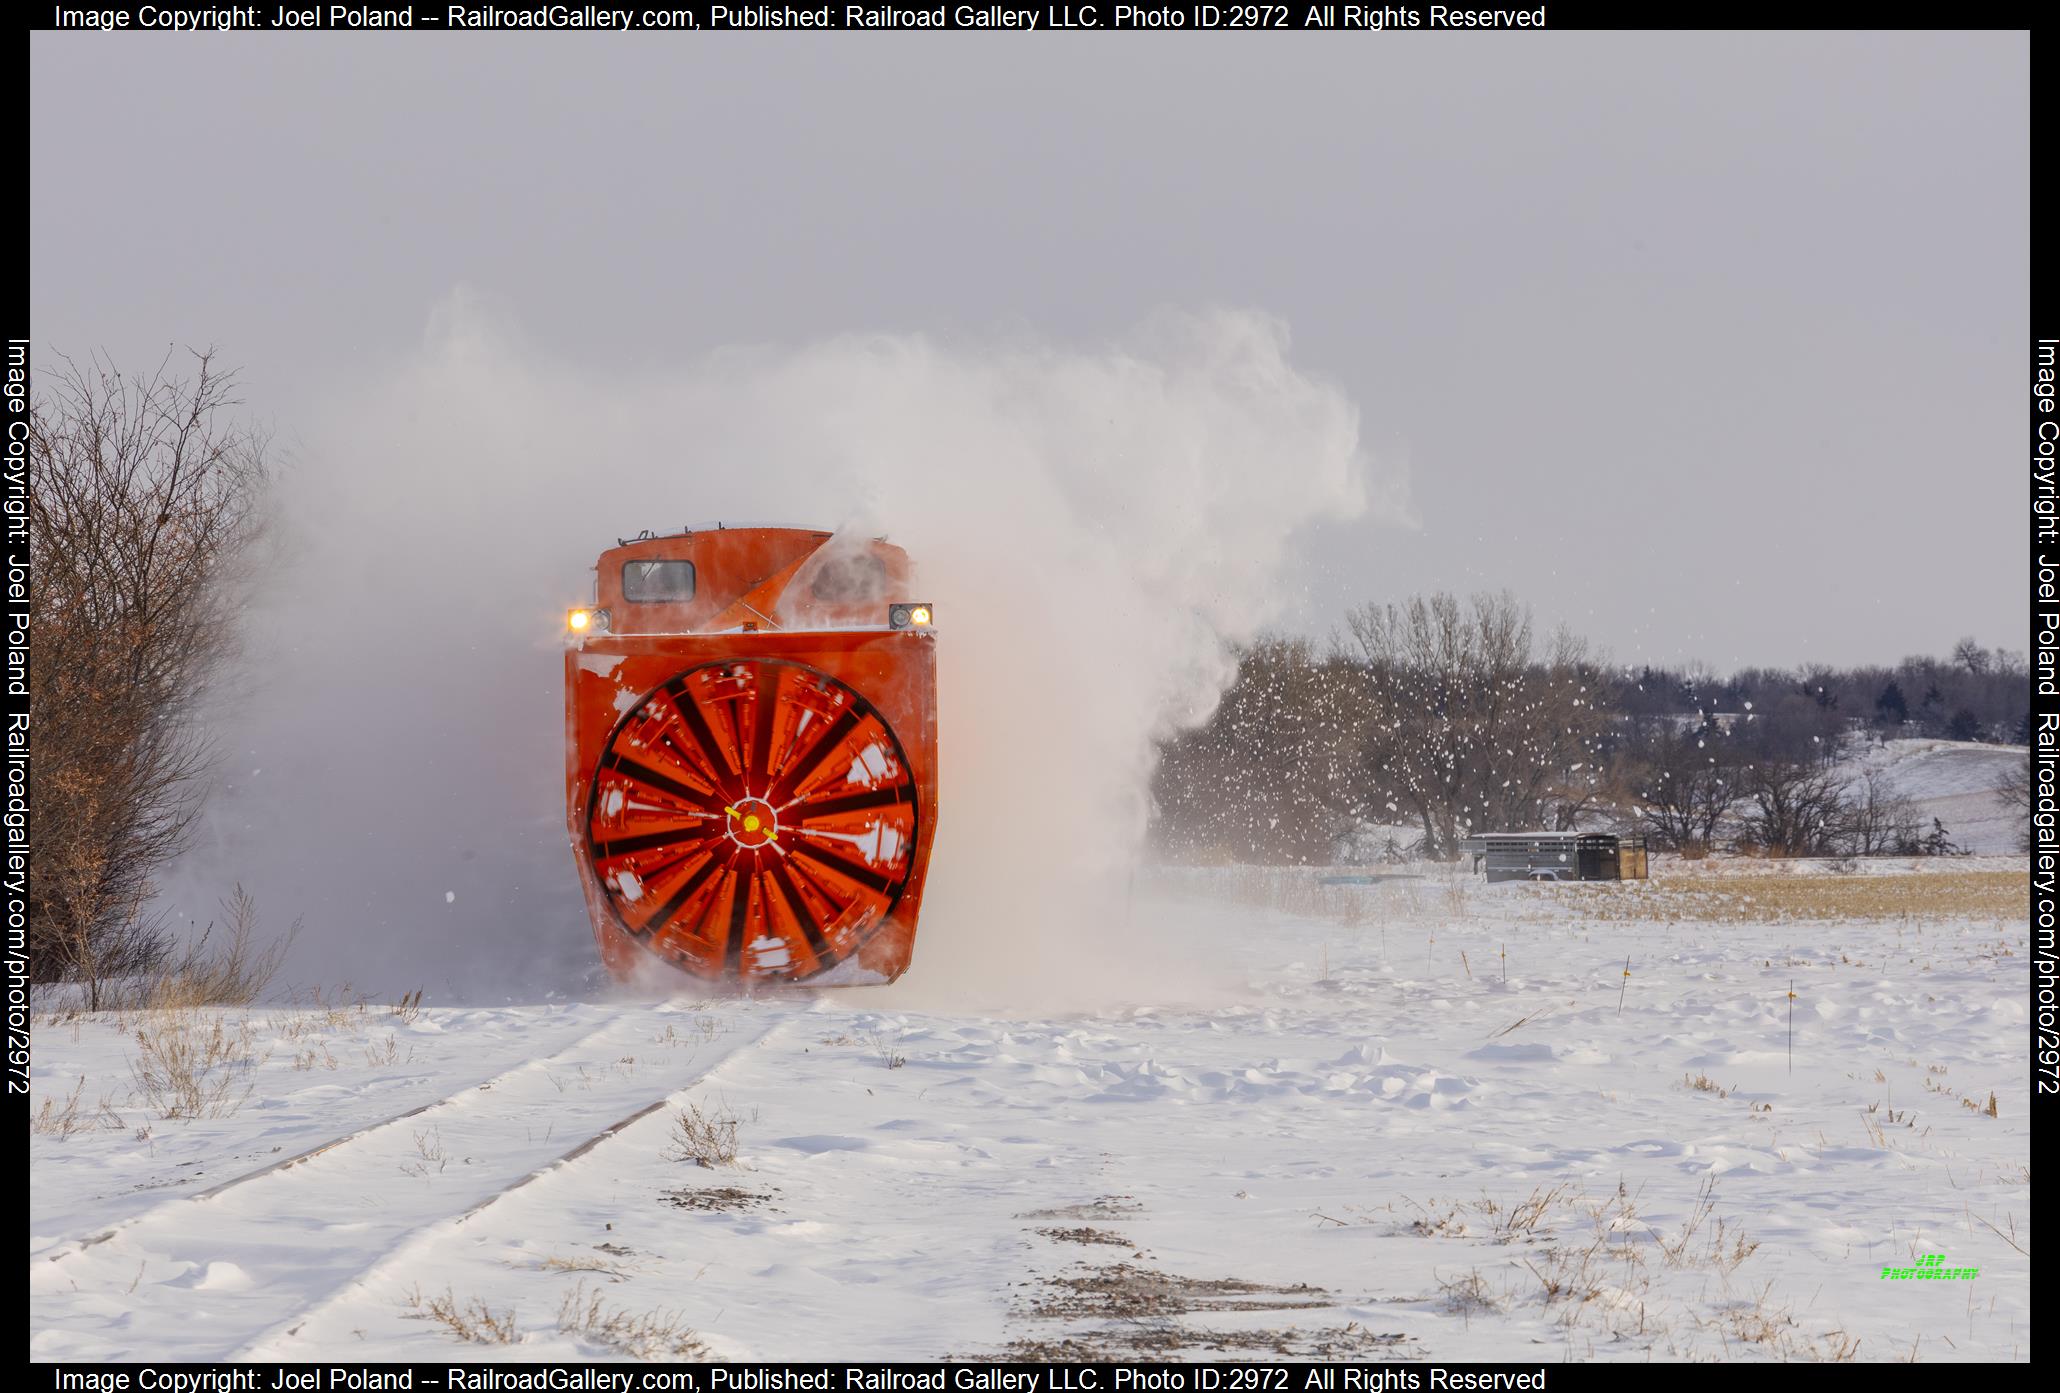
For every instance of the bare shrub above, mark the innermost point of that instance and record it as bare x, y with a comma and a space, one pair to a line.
706, 1138
651, 1335
472, 1321
143, 507
185, 1067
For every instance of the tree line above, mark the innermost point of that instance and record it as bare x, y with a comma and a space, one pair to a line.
1442, 716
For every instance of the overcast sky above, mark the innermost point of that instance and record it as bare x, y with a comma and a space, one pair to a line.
1709, 344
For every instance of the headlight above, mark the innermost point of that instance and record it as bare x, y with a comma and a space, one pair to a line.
911, 616
584, 621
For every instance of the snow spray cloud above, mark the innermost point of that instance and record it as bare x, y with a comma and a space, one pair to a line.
1096, 526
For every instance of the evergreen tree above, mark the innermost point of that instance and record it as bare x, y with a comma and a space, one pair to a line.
1891, 703
1937, 842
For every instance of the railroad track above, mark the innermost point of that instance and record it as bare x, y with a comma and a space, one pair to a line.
293, 1235
409, 1254
72, 1247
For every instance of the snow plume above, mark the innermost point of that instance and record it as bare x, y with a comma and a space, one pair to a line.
1096, 527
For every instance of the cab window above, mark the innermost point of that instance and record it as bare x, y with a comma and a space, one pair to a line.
657, 582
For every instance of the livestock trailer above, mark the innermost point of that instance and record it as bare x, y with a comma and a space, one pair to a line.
1556, 855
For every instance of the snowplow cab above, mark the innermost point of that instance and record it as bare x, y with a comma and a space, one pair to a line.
751, 755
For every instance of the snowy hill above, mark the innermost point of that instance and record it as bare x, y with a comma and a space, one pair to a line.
1953, 781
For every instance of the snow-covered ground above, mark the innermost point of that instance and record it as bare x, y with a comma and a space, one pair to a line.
1377, 1135
1953, 781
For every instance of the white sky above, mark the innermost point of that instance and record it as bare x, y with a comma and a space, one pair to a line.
1710, 344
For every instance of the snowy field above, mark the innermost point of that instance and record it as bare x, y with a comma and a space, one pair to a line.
1421, 1117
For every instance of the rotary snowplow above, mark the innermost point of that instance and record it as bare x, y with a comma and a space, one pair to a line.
751, 755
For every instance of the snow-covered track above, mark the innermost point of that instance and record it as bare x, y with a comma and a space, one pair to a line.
72, 1247
573, 1050
413, 1254
280, 1239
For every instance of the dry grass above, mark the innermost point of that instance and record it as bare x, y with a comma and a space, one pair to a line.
226, 967
1468, 1296
1125, 1291
187, 1066
650, 1335
1758, 898
1445, 893
1705, 1245
472, 1321
580, 1262
66, 1119
716, 1199
1595, 1266
706, 1138
888, 1054
701, 1030
318, 1010
429, 1149
1086, 1233
314, 1057
1500, 1223
1126, 1311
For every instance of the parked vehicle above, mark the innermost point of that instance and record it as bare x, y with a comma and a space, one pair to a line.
1556, 856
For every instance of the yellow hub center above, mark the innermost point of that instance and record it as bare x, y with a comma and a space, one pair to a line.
752, 824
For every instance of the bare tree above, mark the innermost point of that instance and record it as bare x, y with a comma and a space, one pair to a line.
1465, 728
2014, 791
1878, 821
1972, 656
1260, 781
1687, 787
143, 507
1794, 809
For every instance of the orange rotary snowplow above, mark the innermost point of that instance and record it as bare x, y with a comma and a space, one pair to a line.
751, 755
